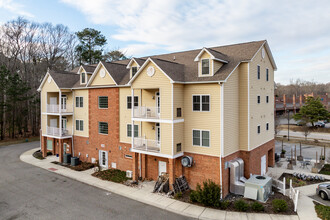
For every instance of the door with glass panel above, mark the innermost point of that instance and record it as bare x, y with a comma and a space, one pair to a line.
63, 103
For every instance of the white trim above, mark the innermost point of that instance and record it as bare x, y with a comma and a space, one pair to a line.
130, 63
159, 120
95, 72
75, 101
204, 49
132, 104
222, 138
201, 137
44, 80
98, 87
75, 121
142, 67
98, 102
201, 69
221, 134
248, 106
98, 127
132, 131
57, 137
200, 104
86, 78
57, 114
158, 154
198, 82
269, 53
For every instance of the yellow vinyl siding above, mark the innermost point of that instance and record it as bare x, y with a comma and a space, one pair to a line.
69, 122
231, 114
243, 106
205, 55
44, 124
47, 87
178, 136
166, 138
202, 120
261, 113
99, 81
148, 97
81, 113
125, 114
157, 81
178, 99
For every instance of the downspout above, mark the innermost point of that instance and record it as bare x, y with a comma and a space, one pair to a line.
73, 99
221, 132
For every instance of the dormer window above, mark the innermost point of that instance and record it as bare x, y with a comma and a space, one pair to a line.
134, 70
205, 66
83, 78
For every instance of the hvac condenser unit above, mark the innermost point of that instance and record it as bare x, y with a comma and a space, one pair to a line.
258, 188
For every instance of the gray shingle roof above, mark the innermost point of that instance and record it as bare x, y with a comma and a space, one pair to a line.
64, 79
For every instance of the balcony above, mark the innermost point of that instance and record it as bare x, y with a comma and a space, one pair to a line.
54, 131
51, 108
147, 145
146, 112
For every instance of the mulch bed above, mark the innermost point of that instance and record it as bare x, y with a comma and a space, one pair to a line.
81, 167
325, 169
296, 182
267, 205
38, 155
113, 175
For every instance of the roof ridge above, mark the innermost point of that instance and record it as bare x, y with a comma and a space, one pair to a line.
165, 60
228, 45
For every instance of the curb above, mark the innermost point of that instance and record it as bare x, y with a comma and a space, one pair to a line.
158, 201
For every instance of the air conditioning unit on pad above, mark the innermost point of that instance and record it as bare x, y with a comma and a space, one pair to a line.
129, 173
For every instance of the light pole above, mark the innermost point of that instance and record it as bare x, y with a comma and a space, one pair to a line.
288, 124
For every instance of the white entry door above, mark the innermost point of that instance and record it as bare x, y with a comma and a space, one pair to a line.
263, 165
63, 103
103, 159
161, 167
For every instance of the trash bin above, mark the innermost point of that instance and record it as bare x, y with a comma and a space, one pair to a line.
67, 158
74, 161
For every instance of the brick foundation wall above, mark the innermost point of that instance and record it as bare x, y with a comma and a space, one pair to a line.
252, 162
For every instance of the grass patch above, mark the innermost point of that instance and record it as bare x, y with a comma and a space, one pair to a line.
325, 170
113, 175
323, 212
38, 155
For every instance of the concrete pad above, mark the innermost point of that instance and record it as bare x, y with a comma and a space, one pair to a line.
236, 216
177, 207
286, 217
258, 216
210, 214
193, 211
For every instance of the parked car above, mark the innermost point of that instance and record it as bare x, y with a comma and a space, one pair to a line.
323, 190
299, 123
319, 124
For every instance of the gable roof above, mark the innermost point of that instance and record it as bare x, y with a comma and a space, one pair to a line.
138, 61
64, 79
89, 68
215, 55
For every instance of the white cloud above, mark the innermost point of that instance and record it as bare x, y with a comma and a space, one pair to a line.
14, 8
292, 27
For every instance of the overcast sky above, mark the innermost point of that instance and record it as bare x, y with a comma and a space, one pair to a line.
298, 31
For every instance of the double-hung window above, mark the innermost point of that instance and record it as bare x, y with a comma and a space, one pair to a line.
267, 126
258, 72
258, 129
79, 125
267, 74
134, 70
103, 102
83, 78
129, 130
103, 127
201, 103
79, 102
258, 99
201, 138
129, 102
205, 67
267, 99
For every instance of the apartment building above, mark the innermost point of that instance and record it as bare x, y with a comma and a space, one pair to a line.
146, 114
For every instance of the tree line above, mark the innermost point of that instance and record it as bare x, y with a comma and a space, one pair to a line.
27, 50
300, 87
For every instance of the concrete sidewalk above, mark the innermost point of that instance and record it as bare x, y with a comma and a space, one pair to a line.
144, 194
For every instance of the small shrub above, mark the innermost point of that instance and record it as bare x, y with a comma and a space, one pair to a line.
178, 195
241, 205
224, 204
279, 205
283, 151
193, 196
49, 153
257, 207
208, 195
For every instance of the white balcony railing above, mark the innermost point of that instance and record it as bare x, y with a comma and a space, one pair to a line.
146, 112
146, 145
56, 109
54, 131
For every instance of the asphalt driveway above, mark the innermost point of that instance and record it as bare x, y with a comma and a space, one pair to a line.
28, 192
